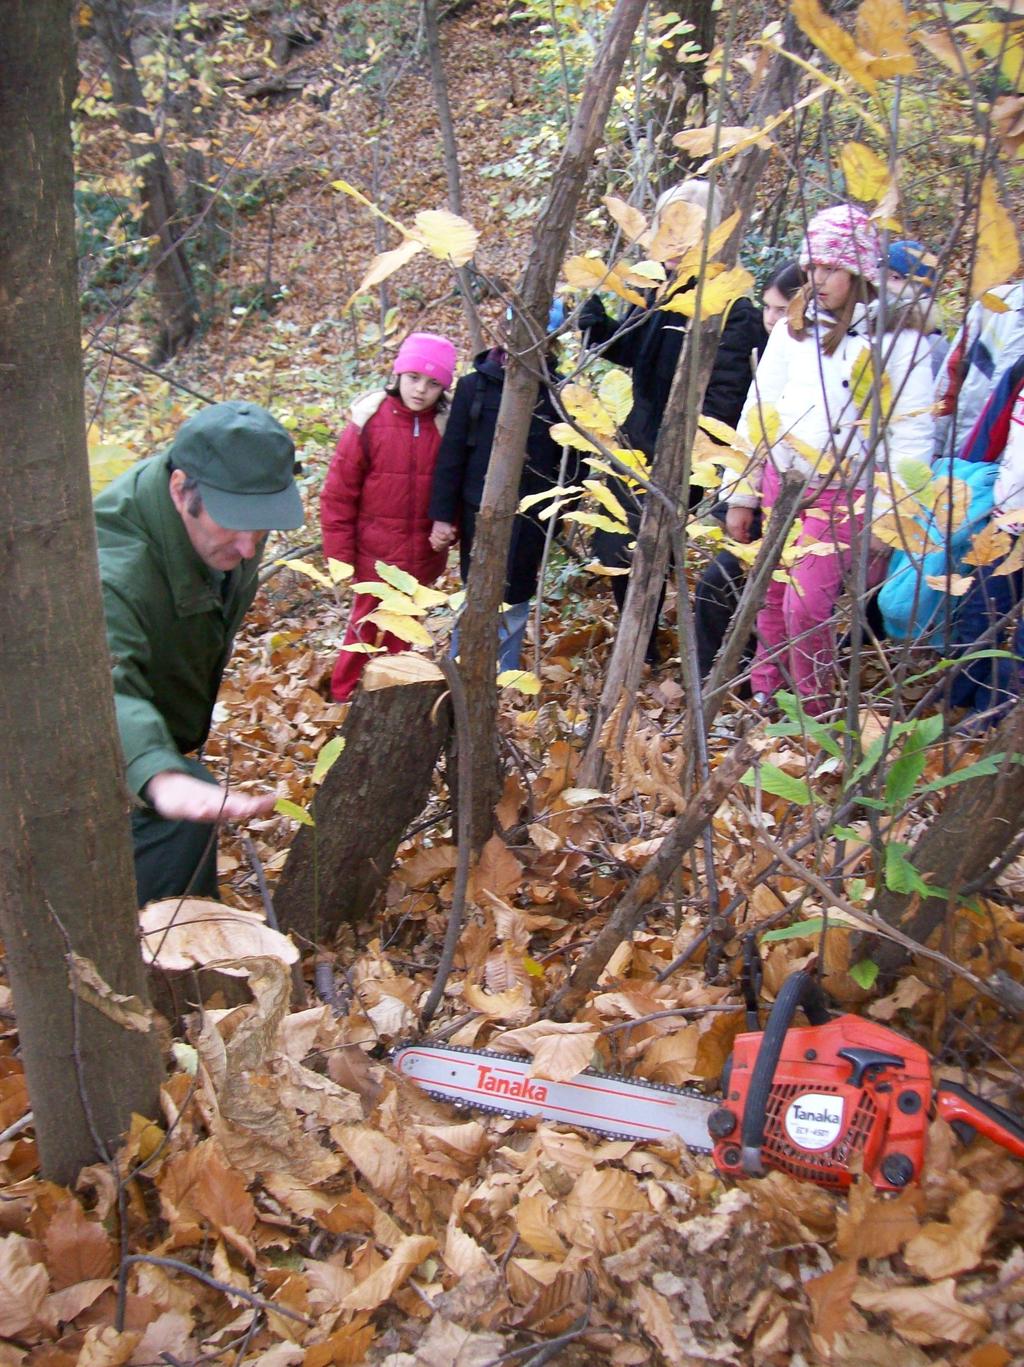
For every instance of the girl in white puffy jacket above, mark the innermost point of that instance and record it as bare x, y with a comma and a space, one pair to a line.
821, 405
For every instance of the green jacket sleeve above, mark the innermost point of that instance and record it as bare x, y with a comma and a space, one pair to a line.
146, 739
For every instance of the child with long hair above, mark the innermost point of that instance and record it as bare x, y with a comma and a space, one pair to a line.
375, 501
840, 395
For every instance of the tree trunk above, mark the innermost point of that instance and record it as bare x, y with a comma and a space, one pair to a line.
432, 30
173, 279
67, 879
525, 367
670, 468
378, 784
979, 822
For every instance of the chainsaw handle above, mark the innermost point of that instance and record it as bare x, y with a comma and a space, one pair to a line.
959, 1106
799, 989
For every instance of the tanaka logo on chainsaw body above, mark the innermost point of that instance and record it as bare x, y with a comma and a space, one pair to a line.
523, 1087
814, 1120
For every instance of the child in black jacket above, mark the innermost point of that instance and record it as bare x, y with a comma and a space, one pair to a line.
459, 484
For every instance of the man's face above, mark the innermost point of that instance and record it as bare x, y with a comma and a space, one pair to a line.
217, 546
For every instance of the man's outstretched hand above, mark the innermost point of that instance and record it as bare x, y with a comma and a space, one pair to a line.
180, 797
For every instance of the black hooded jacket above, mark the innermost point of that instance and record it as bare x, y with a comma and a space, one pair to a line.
462, 468
648, 342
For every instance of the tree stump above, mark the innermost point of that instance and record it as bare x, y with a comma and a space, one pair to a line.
380, 782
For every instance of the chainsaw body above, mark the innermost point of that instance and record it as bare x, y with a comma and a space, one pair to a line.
847, 1094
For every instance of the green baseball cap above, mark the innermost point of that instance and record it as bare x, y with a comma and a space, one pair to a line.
244, 463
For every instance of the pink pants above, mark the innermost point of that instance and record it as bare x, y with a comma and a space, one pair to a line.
796, 625
349, 668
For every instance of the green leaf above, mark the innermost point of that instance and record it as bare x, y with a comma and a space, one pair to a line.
847, 833
398, 579
797, 931
772, 779
857, 889
900, 874
982, 768
326, 757
286, 808
864, 974
904, 772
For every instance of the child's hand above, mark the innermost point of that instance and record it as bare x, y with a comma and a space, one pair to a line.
442, 534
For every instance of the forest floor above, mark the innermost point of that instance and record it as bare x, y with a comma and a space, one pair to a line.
371, 1223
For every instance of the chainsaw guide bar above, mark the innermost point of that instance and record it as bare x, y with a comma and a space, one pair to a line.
615, 1106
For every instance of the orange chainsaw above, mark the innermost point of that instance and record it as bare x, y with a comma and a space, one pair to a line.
817, 1101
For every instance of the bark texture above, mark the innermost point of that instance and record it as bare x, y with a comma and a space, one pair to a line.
160, 220
64, 844
378, 784
479, 632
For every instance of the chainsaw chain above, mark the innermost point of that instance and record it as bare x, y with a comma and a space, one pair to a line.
692, 1092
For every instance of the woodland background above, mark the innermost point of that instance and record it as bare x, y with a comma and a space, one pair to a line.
293, 1203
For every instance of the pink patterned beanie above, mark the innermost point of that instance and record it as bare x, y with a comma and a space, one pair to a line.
844, 238
427, 354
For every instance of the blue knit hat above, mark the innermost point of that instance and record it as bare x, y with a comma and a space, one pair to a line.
913, 261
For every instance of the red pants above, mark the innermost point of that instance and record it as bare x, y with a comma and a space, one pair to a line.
349, 668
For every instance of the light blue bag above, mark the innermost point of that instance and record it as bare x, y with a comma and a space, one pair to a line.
911, 607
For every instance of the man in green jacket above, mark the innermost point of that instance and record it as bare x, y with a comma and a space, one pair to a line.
180, 540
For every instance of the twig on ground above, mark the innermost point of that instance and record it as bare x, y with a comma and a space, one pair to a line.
176, 1265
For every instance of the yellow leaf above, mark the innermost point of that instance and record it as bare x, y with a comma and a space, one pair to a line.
606, 498
763, 424
722, 432
586, 408
446, 235
958, 58
521, 679
311, 571
719, 292
956, 585
405, 628
700, 142
590, 273
428, 598
998, 254
615, 393
400, 579
690, 263
550, 496
866, 386
339, 570
385, 264
833, 41
644, 274
633, 460
328, 754
883, 29
680, 228
284, 807
347, 189
865, 173
627, 216
598, 520
565, 435
993, 303
989, 545
107, 460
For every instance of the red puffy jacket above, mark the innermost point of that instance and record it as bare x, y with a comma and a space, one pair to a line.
374, 504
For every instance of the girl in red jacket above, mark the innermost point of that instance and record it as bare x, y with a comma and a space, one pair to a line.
375, 502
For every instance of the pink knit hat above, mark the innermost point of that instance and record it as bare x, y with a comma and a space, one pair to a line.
427, 354
844, 238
